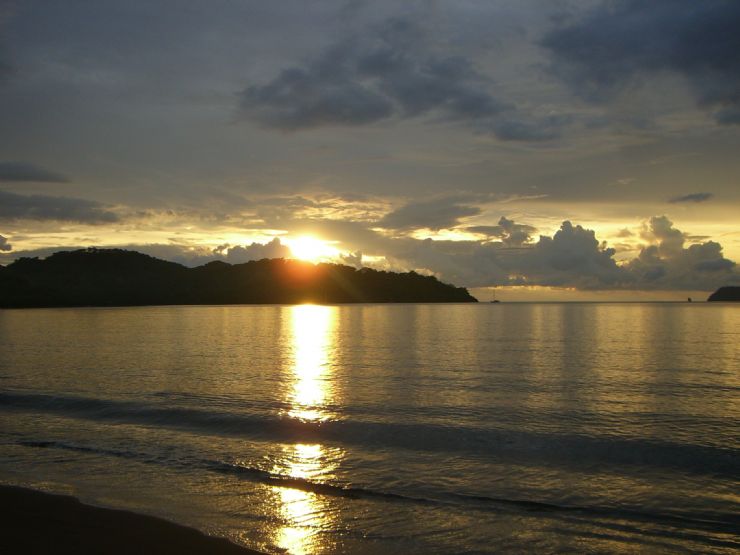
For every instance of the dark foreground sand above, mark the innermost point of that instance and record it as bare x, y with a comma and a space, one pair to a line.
35, 522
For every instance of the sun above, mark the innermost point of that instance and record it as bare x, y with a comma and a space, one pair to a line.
310, 248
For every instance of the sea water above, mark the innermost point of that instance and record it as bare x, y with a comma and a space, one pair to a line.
388, 428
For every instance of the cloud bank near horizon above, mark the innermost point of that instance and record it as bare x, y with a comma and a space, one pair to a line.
510, 256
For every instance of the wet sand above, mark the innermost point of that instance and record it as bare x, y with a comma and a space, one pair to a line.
35, 522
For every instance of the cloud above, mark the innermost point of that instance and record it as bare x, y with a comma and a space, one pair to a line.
6, 70
6, 65
511, 233
197, 255
391, 70
370, 77
669, 239
728, 116
667, 264
353, 259
43, 207
5, 245
256, 251
435, 214
572, 257
621, 44
518, 129
185, 254
459, 262
693, 197
21, 172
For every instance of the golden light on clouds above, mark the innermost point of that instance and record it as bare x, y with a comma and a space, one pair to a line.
311, 249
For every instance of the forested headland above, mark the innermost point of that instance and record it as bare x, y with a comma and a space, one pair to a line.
114, 277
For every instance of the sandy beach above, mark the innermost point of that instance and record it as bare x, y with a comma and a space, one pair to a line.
36, 522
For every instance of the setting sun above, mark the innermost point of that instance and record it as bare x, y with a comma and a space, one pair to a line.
310, 248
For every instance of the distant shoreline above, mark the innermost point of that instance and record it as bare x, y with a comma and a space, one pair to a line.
371, 303
34, 522
114, 277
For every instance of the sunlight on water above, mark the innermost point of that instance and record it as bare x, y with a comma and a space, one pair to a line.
525, 428
313, 328
312, 334
298, 508
302, 510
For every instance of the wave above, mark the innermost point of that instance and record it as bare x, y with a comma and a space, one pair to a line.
577, 452
706, 521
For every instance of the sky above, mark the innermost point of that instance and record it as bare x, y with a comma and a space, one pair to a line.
545, 149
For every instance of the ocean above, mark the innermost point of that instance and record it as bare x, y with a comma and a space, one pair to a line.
488, 428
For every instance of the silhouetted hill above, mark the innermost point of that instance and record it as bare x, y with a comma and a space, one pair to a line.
113, 277
725, 294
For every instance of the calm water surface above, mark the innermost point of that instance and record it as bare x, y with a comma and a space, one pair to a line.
388, 428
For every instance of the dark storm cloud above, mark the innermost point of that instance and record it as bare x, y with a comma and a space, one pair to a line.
620, 44
434, 214
22, 171
369, 78
693, 197
4, 244
297, 99
392, 70
44, 207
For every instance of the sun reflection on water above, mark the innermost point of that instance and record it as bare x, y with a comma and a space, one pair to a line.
312, 341
305, 513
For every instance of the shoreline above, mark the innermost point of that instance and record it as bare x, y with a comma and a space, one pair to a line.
37, 522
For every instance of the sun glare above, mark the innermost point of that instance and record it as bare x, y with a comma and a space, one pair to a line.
310, 249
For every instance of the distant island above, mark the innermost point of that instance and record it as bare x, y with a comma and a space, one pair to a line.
115, 277
725, 294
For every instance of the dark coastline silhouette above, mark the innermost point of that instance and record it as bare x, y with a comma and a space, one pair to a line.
114, 277
725, 294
